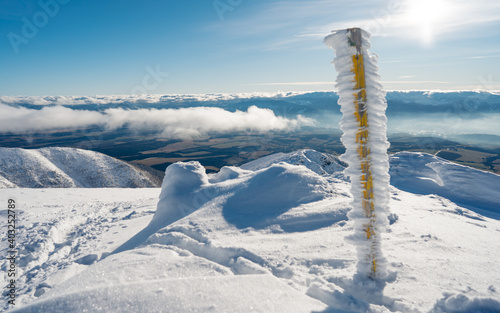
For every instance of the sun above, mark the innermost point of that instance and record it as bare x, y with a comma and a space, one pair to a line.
426, 16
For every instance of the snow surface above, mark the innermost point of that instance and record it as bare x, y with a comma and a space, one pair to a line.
67, 167
221, 247
423, 173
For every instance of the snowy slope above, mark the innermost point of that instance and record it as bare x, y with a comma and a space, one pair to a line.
423, 173
415, 172
4, 183
67, 167
272, 239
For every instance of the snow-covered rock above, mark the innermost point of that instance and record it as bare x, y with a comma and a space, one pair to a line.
68, 167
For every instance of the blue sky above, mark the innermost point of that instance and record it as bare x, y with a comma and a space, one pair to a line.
76, 47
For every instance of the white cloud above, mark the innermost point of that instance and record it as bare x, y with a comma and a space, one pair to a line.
171, 123
22, 119
483, 57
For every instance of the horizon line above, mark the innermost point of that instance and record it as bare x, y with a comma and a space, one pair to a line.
250, 93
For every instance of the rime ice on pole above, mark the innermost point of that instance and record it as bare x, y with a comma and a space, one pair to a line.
364, 127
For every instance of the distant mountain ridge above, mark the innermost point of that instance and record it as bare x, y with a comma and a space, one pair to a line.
418, 173
282, 103
69, 167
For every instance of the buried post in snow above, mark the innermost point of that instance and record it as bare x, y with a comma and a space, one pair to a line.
364, 127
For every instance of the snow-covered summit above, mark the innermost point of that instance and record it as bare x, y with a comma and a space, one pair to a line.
68, 167
273, 239
320, 163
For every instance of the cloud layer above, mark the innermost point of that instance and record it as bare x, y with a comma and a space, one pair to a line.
118, 99
171, 123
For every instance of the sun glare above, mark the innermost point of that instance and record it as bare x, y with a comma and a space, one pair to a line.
426, 16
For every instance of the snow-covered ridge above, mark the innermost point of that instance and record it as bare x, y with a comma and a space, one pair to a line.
425, 97
68, 167
415, 172
419, 173
320, 163
423, 173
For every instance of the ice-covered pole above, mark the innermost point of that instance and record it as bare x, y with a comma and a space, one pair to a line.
364, 127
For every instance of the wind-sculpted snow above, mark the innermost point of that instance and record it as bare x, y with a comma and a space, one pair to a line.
270, 239
186, 188
178, 198
67, 167
460, 303
295, 185
422, 173
279, 186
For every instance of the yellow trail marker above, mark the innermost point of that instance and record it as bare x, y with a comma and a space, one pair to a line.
363, 105
363, 134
